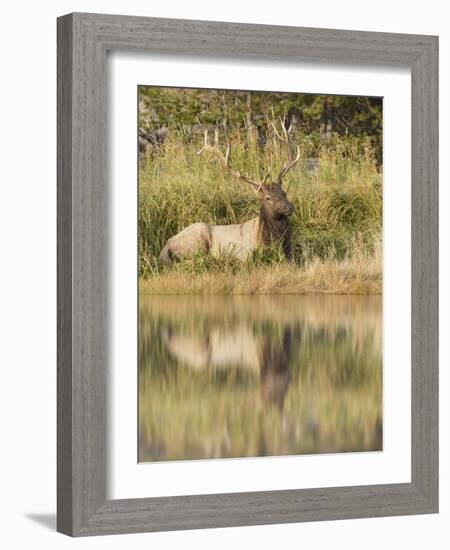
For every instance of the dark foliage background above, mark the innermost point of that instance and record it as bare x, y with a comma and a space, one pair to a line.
317, 118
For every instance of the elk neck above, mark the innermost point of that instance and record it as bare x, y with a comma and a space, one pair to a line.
273, 230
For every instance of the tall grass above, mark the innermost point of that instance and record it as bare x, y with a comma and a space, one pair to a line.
336, 225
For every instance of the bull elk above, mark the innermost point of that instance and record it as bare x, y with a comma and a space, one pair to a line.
223, 348
271, 226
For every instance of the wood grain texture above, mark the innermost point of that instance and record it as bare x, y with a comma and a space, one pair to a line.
425, 273
82, 276
83, 317
64, 300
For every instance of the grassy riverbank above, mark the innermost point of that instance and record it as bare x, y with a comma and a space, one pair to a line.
336, 225
356, 274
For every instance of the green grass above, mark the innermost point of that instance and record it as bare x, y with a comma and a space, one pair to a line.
337, 221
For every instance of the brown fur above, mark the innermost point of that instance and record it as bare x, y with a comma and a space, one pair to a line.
274, 217
275, 231
275, 375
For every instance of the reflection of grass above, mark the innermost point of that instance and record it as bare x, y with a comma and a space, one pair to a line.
336, 225
186, 415
358, 315
333, 402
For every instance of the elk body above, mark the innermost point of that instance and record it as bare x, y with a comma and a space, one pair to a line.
240, 240
221, 348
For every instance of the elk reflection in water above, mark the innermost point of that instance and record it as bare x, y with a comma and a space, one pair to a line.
237, 347
258, 375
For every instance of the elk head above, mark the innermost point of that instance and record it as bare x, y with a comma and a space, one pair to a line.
271, 194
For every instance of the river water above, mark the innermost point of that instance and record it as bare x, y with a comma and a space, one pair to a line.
246, 376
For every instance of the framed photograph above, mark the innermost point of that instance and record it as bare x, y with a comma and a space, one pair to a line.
247, 274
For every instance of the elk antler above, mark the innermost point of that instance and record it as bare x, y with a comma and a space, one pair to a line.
225, 160
291, 162
266, 176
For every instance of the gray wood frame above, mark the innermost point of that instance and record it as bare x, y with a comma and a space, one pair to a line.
83, 40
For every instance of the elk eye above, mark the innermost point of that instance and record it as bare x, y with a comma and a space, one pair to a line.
267, 198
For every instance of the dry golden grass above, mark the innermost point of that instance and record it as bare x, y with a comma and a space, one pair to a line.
358, 274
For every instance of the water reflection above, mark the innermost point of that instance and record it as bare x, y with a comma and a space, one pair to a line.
258, 375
